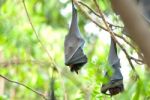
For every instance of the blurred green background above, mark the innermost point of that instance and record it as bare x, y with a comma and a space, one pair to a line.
23, 59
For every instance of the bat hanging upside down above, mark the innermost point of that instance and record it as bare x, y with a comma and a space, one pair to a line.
74, 55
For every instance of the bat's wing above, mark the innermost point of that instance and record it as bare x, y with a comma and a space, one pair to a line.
78, 57
74, 55
115, 82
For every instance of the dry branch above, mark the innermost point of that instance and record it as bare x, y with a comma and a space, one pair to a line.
21, 84
78, 3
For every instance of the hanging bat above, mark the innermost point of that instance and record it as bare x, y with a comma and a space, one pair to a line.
74, 55
115, 82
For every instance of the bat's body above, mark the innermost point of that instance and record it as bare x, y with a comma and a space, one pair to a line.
74, 56
115, 82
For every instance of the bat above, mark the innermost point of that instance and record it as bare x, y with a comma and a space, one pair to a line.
74, 55
115, 81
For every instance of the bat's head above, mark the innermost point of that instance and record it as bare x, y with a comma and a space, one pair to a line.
76, 67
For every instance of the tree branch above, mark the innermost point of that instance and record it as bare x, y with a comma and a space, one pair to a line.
19, 61
82, 3
95, 22
113, 36
136, 25
54, 68
38, 93
37, 36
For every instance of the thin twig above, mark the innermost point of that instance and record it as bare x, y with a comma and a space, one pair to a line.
138, 61
121, 37
19, 61
49, 56
18, 83
82, 3
95, 22
132, 46
125, 40
113, 36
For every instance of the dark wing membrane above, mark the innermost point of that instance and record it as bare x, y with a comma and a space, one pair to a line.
74, 55
115, 81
